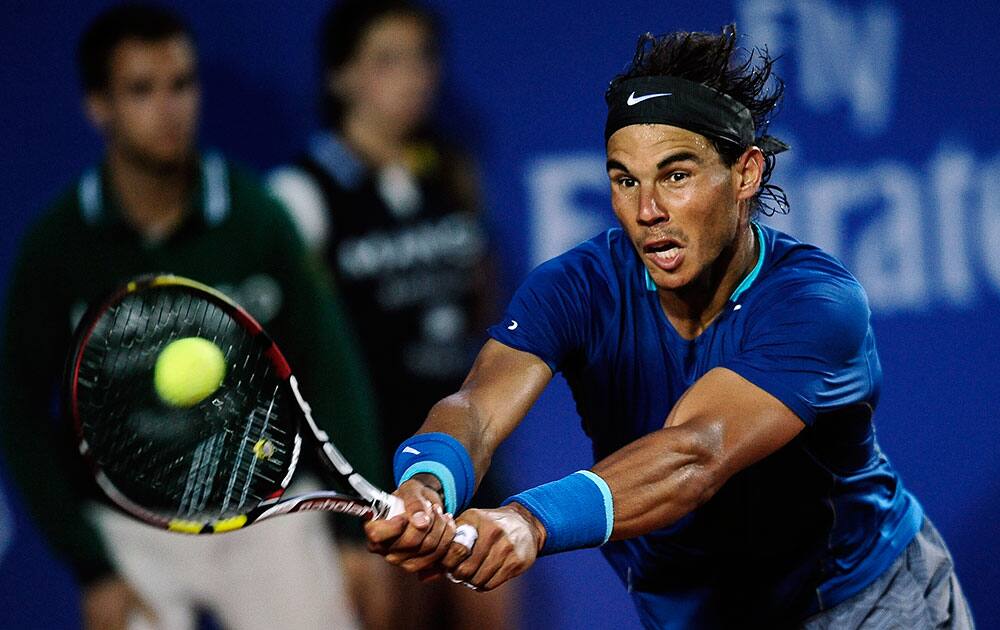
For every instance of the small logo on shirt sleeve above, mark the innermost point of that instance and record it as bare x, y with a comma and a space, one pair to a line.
513, 325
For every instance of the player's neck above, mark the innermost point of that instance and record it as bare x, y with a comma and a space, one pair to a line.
692, 309
153, 200
377, 144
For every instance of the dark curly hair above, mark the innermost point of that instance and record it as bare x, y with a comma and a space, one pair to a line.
715, 61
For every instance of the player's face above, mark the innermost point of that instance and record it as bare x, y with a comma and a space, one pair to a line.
680, 205
150, 108
392, 79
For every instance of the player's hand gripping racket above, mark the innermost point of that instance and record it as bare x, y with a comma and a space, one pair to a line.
189, 445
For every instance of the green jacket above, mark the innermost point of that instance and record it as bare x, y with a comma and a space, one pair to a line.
236, 238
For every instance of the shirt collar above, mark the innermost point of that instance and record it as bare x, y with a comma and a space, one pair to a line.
752, 276
211, 199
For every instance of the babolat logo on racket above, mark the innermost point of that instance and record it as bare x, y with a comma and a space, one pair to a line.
333, 505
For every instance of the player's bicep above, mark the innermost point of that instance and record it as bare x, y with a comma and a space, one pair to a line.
743, 422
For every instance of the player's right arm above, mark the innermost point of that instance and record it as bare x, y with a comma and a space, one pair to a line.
547, 320
498, 392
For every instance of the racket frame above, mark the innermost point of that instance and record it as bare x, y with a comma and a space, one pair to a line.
370, 502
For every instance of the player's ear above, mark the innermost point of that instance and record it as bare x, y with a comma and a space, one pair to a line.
98, 110
749, 169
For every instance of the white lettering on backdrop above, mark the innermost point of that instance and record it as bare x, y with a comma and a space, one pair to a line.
843, 55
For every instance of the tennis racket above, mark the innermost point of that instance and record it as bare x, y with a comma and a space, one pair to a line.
217, 465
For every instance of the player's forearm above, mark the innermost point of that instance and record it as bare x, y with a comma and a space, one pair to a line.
661, 477
646, 485
461, 432
497, 394
720, 426
458, 416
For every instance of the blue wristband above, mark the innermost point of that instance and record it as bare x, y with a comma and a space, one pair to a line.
576, 511
443, 456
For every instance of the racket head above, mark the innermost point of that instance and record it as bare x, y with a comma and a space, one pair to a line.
209, 467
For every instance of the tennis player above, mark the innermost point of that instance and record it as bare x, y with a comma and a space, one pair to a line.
725, 372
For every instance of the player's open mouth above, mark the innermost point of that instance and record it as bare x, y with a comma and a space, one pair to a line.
666, 254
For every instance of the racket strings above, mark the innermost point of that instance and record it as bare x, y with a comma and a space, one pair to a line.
137, 334
217, 459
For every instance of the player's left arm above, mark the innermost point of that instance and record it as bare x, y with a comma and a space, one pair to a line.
804, 352
721, 425
799, 358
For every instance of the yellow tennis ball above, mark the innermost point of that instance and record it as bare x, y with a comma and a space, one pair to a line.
188, 370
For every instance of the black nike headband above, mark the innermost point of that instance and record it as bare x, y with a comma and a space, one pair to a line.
685, 104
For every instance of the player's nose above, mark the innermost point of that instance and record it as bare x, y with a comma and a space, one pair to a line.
650, 210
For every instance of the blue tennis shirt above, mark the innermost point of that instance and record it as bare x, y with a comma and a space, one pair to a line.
796, 533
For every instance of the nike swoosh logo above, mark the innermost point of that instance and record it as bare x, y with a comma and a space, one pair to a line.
411, 450
634, 100
513, 325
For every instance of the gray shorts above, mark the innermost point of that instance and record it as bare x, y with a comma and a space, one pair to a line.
920, 590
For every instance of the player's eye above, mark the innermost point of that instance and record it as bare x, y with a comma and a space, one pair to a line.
625, 181
677, 176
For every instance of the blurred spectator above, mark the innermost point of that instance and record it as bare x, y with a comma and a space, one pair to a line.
157, 204
393, 208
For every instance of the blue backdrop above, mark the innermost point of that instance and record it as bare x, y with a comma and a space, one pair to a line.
895, 168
